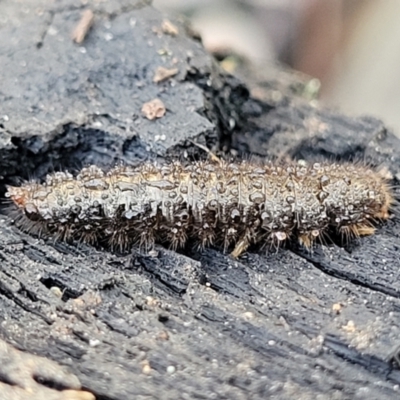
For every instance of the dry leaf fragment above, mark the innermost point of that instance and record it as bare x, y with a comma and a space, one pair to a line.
169, 28
153, 109
83, 26
163, 74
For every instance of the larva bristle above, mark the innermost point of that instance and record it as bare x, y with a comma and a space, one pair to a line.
362, 230
232, 205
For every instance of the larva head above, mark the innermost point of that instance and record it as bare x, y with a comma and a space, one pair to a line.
17, 196
21, 197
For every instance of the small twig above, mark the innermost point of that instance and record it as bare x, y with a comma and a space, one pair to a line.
83, 26
207, 150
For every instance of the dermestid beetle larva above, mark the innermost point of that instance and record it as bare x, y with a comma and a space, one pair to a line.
221, 203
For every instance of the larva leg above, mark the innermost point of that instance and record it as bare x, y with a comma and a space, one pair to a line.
240, 247
307, 239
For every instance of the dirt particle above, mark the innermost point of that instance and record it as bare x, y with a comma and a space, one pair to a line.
153, 109
350, 327
337, 308
169, 28
146, 369
162, 74
171, 369
163, 335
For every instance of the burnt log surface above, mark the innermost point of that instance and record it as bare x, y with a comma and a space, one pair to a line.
193, 324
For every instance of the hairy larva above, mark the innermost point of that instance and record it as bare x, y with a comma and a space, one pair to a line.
222, 203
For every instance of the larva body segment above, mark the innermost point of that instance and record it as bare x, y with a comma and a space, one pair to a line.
213, 203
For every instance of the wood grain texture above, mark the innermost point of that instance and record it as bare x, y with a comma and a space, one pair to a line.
197, 325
